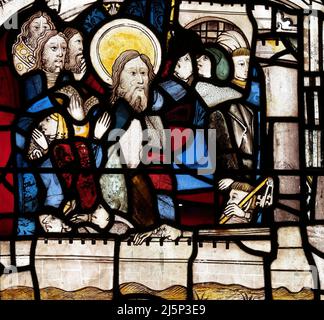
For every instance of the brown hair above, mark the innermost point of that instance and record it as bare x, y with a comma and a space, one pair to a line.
69, 34
25, 32
119, 65
242, 186
241, 52
41, 44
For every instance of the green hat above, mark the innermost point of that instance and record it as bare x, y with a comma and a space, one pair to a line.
223, 68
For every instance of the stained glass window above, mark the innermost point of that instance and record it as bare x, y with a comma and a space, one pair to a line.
165, 150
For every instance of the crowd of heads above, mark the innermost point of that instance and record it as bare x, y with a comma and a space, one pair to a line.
219, 61
51, 50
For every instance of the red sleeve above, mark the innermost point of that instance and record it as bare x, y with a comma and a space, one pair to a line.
92, 82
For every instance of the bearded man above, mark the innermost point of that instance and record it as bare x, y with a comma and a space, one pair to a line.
75, 61
49, 64
132, 74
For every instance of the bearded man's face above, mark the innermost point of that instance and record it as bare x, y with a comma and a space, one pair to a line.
54, 54
75, 53
133, 85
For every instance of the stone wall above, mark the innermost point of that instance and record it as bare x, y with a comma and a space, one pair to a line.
157, 265
74, 264
224, 262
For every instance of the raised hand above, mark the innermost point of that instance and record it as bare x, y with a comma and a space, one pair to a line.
40, 139
75, 108
83, 70
102, 126
234, 210
225, 184
36, 154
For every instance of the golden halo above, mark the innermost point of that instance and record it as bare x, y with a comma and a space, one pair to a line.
118, 36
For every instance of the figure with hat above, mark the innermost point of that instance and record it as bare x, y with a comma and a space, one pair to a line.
182, 109
215, 70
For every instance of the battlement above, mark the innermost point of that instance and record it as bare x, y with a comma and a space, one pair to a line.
220, 256
73, 264
222, 259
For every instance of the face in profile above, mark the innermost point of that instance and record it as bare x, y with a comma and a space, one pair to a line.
236, 196
53, 224
134, 82
75, 52
54, 54
241, 65
183, 69
48, 126
100, 217
204, 66
37, 28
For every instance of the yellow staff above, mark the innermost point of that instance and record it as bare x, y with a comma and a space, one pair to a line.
224, 218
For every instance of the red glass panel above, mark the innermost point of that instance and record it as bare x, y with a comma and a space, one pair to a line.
204, 197
6, 118
9, 178
161, 181
5, 147
6, 200
6, 226
9, 89
3, 47
195, 215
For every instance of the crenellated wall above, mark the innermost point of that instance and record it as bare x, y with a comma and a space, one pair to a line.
74, 264
226, 263
157, 265
71, 265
